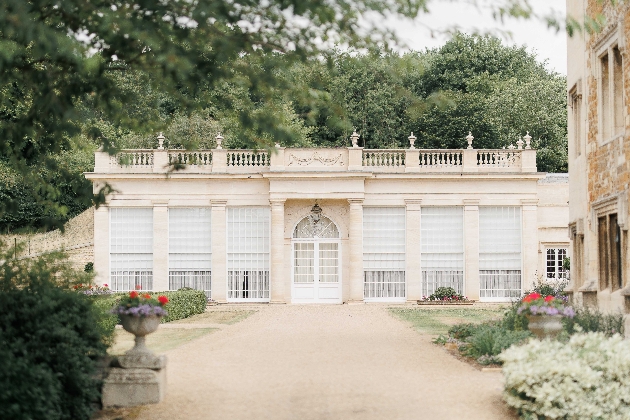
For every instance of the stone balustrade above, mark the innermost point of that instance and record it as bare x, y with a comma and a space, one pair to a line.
355, 159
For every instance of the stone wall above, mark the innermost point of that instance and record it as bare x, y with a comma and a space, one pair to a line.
77, 240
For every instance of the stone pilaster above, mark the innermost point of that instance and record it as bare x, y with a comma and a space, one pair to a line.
356, 249
160, 245
219, 251
278, 279
529, 242
101, 245
413, 270
471, 249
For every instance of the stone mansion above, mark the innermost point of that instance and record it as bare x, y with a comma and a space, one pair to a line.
330, 225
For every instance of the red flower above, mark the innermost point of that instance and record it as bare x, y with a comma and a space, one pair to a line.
138, 287
133, 294
549, 298
531, 297
75, 287
163, 300
105, 285
147, 296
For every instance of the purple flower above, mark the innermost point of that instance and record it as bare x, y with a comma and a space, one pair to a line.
533, 310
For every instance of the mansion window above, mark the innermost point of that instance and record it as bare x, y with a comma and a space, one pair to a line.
609, 240
442, 248
248, 250
499, 252
131, 249
555, 263
611, 94
384, 252
575, 98
189, 249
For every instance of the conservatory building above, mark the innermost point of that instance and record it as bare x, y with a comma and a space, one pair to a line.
330, 225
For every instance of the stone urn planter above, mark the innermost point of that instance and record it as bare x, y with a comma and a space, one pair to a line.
543, 326
140, 326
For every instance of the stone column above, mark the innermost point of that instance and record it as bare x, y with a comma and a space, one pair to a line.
413, 271
471, 249
101, 245
530, 242
356, 249
160, 245
219, 251
278, 279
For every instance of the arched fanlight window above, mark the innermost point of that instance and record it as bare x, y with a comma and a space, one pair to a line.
316, 226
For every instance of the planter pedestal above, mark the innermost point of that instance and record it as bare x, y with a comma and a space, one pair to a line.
543, 326
138, 377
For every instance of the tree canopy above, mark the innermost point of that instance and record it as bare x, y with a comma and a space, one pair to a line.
77, 75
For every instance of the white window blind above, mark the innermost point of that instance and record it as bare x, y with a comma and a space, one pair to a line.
248, 253
190, 249
555, 259
500, 252
442, 248
384, 252
131, 249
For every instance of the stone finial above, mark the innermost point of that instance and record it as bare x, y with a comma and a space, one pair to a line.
528, 140
469, 139
219, 139
412, 140
278, 145
160, 139
511, 146
519, 143
354, 138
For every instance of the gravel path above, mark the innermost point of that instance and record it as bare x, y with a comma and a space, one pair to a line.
323, 362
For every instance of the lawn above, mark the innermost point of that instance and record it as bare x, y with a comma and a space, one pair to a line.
216, 317
436, 321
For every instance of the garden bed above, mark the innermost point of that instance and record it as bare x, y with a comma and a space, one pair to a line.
430, 302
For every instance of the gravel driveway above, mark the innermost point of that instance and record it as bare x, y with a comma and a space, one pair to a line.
323, 362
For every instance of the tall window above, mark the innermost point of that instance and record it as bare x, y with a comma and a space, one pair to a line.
131, 249
611, 93
189, 249
248, 253
499, 252
609, 252
555, 263
576, 118
384, 252
442, 250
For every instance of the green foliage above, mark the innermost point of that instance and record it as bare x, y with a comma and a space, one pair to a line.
462, 331
490, 339
89, 267
184, 303
593, 320
107, 321
442, 293
50, 340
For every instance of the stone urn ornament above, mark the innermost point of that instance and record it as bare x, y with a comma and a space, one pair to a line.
545, 314
140, 315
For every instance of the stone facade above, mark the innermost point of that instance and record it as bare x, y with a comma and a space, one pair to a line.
599, 151
348, 186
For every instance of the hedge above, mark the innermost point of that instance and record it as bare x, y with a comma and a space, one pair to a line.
182, 304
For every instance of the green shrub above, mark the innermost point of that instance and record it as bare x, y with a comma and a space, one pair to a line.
462, 331
50, 342
490, 339
596, 321
587, 377
183, 303
514, 321
104, 304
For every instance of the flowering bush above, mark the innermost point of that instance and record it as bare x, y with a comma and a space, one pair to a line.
536, 304
137, 304
445, 294
586, 378
92, 290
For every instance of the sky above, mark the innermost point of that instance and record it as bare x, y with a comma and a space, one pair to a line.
546, 43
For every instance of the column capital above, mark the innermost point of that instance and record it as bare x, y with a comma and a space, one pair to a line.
468, 202
277, 201
355, 201
218, 203
413, 204
529, 202
160, 202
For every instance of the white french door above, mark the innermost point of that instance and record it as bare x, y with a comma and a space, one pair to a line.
316, 272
